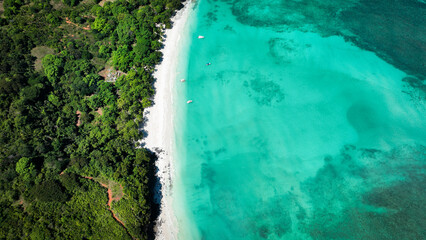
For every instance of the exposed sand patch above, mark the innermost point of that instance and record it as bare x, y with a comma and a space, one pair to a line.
1, 7
102, 3
100, 111
78, 118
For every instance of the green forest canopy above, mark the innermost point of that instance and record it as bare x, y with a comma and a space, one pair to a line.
62, 121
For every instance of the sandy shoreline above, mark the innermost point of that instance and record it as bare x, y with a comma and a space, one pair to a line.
159, 125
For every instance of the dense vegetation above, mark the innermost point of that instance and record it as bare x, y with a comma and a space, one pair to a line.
61, 121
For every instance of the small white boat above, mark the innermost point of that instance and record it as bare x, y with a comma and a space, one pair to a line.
189, 101
182, 80
200, 37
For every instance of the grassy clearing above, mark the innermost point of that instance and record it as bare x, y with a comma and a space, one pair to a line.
117, 192
57, 4
99, 63
116, 188
39, 52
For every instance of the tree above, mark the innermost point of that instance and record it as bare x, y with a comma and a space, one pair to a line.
126, 29
122, 58
71, 3
52, 67
49, 191
25, 169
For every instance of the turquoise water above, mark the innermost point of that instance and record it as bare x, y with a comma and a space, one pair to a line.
295, 132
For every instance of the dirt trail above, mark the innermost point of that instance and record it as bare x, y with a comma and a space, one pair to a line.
68, 21
110, 199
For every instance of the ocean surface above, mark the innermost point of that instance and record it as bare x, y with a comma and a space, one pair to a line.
308, 124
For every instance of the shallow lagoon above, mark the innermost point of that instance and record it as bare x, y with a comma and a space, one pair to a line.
295, 133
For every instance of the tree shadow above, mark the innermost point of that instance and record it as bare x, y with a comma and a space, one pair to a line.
155, 191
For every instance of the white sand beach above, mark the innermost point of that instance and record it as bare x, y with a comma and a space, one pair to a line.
159, 125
